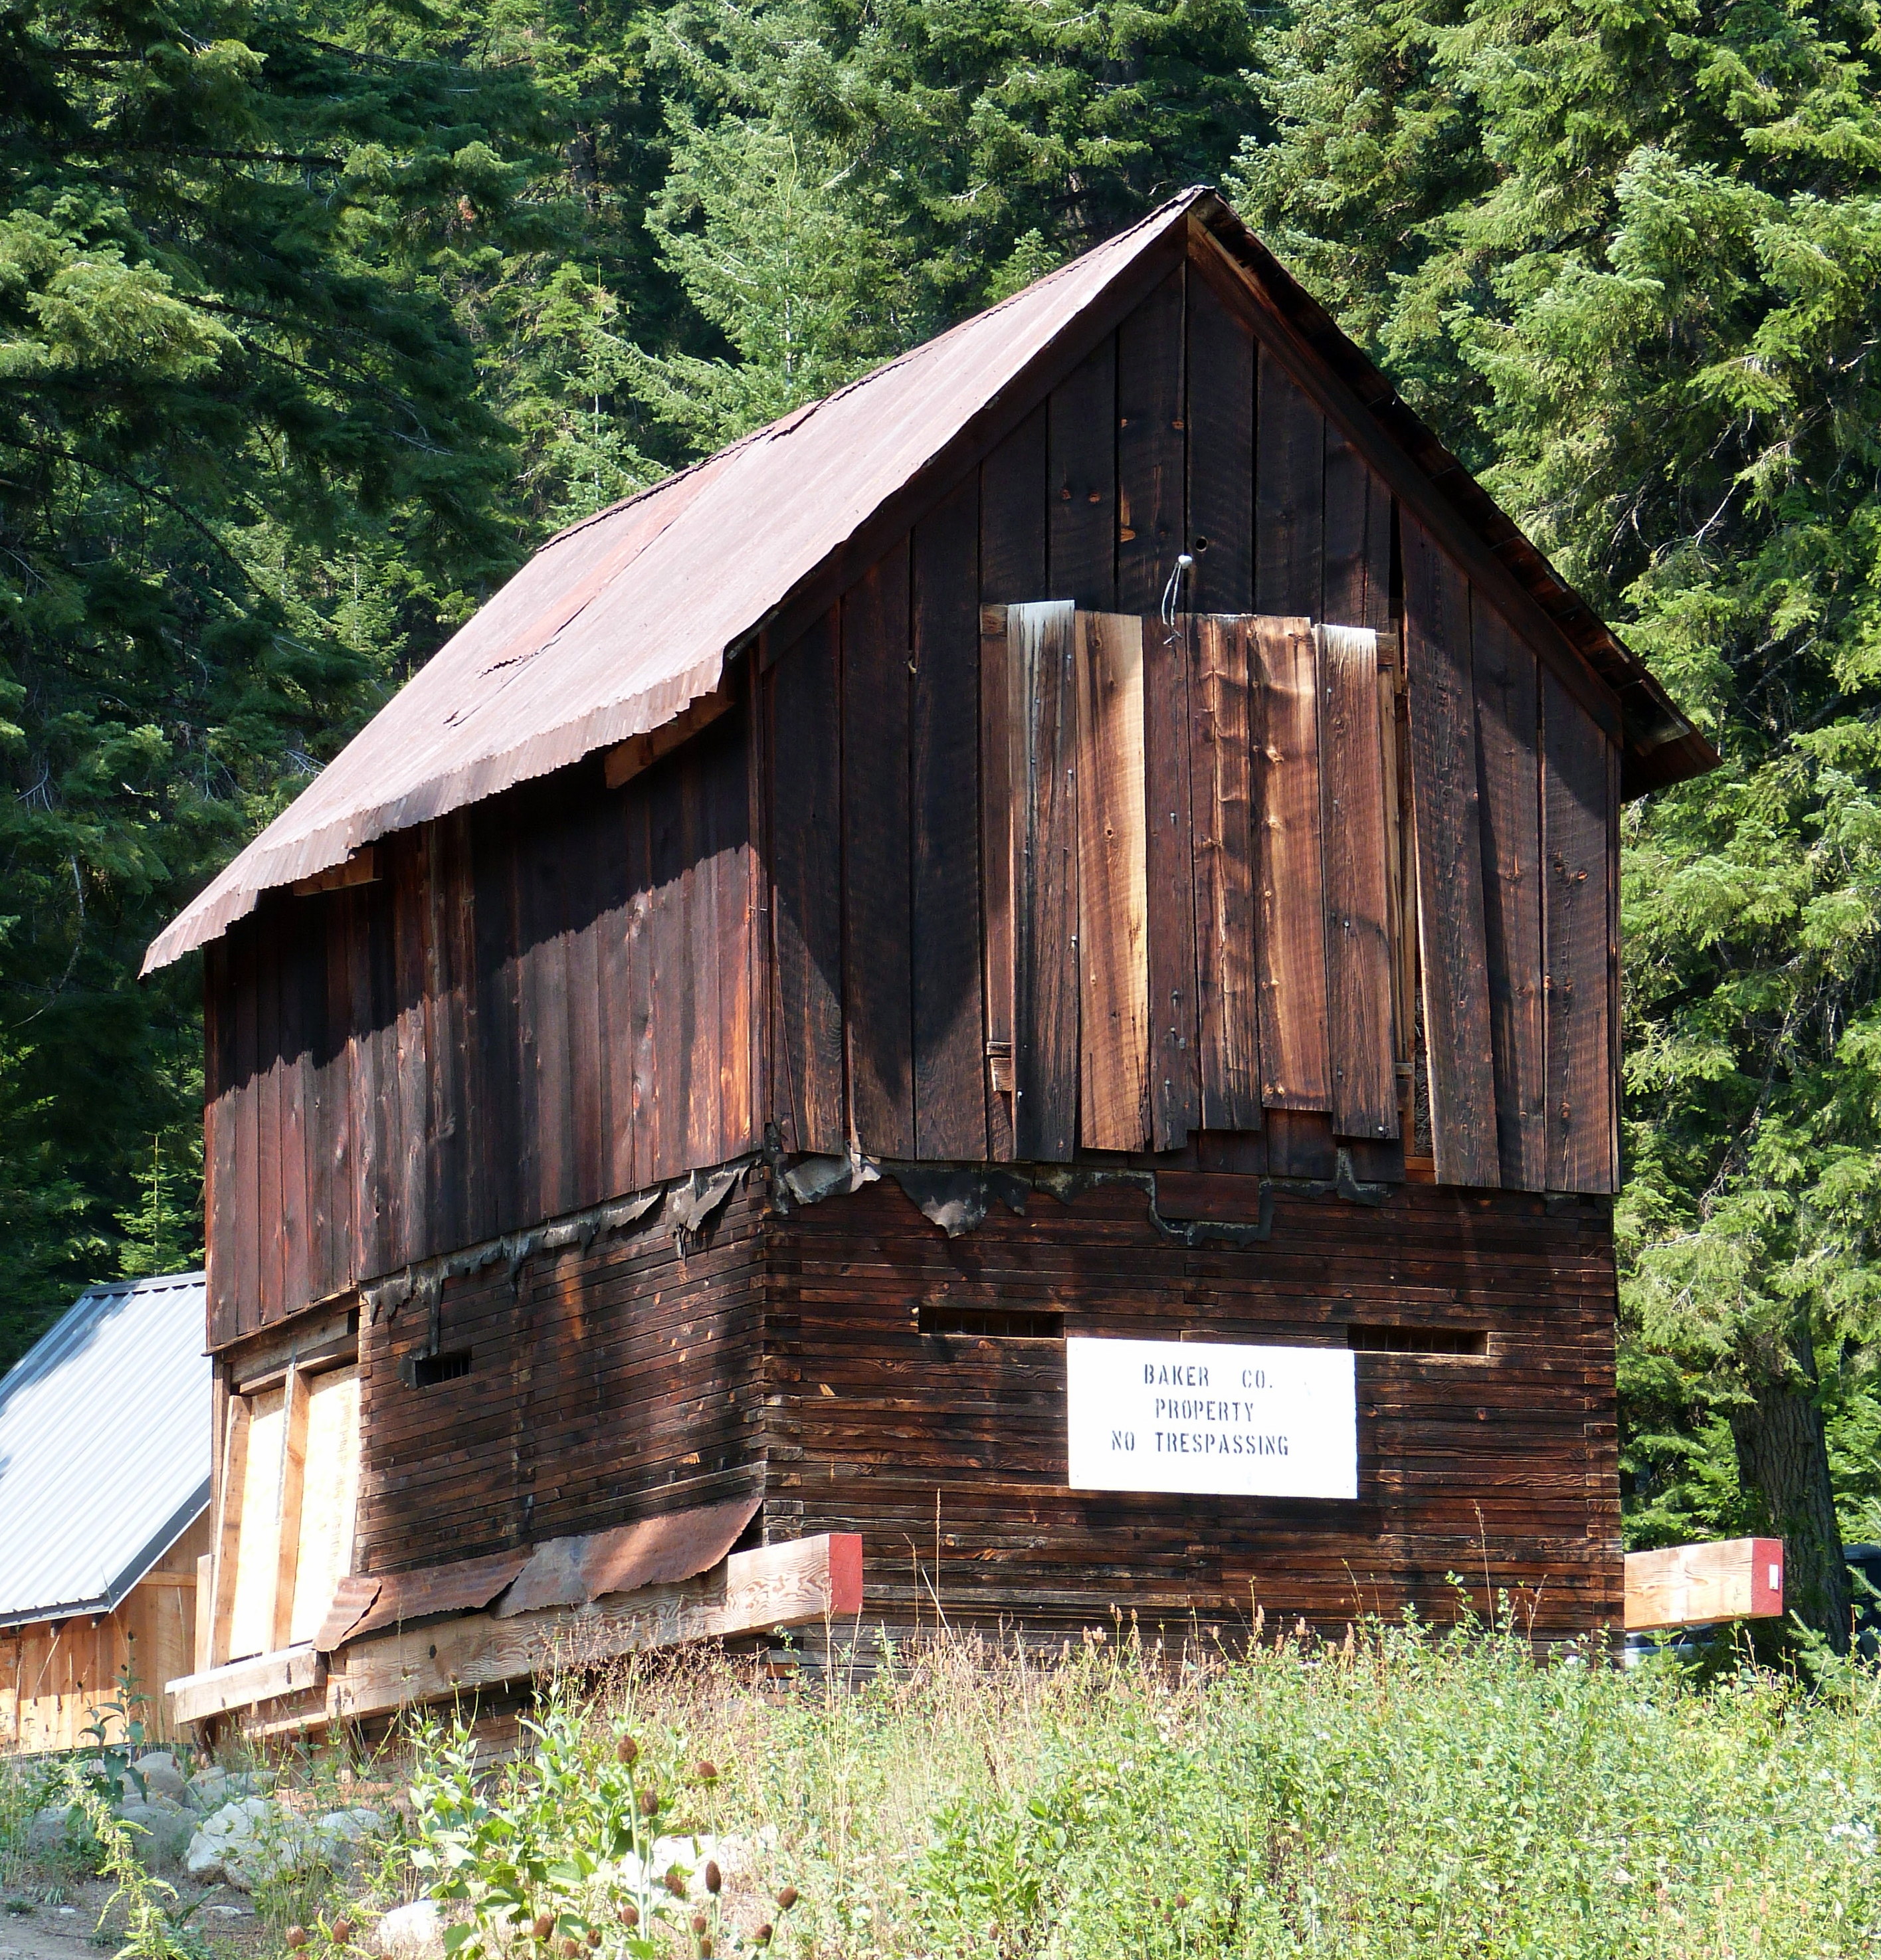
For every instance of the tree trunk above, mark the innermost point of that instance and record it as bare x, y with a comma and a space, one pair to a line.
1782, 1443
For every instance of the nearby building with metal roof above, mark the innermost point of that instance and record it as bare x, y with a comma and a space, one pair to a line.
104, 1449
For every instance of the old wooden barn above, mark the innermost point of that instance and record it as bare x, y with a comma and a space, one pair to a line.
1099, 833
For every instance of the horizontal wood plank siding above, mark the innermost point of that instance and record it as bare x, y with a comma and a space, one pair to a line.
876, 1427
608, 1381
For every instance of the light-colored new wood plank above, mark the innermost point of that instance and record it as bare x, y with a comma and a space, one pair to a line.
244, 1684
1113, 896
225, 1548
200, 1661
1696, 1585
290, 1489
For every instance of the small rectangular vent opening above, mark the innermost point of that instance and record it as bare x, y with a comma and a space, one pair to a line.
1010, 1323
426, 1371
1374, 1340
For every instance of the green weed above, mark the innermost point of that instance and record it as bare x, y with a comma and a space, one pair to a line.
1409, 1793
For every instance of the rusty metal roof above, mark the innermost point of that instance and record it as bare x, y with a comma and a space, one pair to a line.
619, 623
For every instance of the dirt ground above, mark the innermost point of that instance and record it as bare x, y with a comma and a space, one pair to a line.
65, 1925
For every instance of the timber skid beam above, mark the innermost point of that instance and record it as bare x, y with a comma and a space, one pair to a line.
792, 1584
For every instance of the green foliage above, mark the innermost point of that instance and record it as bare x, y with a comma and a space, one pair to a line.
1413, 1792
163, 1232
154, 1930
247, 479
559, 1846
1625, 257
1433, 1799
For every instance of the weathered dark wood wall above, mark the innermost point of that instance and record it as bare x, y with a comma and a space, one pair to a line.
548, 1000
798, 1355
607, 1382
1506, 1459
1274, 934
542, 1002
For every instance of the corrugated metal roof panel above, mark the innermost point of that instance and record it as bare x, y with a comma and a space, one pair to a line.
105, 1447
573, 655
620, 622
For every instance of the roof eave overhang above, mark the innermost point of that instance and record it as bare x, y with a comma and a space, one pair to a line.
127, 1581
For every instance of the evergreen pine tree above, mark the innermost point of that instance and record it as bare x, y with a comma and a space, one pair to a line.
246, 478
1625, 257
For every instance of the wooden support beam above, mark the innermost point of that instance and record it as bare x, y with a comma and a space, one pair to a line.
639, 753
204, 1611
245, 1683
361, 868
291, 1486
1697, 1585
775, 1586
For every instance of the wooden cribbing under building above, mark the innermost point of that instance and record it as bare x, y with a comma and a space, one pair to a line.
1099, 833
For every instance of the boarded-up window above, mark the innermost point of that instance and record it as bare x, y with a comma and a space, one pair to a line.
329, 1497
1192, 877
293, 1474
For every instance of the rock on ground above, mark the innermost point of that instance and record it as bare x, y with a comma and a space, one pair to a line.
414, 1932
217, 1847
158, 1836
51, 1829
161, 1777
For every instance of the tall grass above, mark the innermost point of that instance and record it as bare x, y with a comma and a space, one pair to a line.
1408, 1794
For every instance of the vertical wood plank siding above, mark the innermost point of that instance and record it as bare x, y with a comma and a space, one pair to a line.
1175, 1076
475, 1041
566, 992
1219, 421
1361, 1035
949, 1104
1042, 644
806, 753
1112, 901
1447, 801
1151, 447
1296, 1061
1221, 843
878, 988
1576, 926
1507, 719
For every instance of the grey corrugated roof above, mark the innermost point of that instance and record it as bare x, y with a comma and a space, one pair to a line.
105, 1448
622, 621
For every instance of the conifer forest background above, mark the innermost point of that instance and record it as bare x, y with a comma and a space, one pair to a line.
317, 315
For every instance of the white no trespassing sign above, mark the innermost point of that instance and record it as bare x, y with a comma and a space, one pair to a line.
1207, 1417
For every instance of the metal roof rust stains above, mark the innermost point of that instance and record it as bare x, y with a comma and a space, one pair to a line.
621, 621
